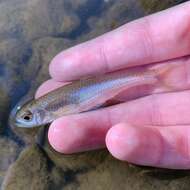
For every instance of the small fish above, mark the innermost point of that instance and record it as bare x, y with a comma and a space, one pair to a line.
83, 95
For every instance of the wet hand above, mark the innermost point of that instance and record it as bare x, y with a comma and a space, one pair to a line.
153, 130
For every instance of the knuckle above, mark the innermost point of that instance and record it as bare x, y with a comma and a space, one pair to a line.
186, 68
188, 146
155, 115
144, 33
183, 27
104, 57
183, 145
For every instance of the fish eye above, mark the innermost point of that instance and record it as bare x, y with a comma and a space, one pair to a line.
27, 116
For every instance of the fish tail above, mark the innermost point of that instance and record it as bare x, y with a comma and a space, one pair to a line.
161, 72
161, 69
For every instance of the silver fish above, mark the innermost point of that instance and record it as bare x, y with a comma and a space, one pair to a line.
83, 95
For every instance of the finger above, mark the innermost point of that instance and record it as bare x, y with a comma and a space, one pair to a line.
177, 78
155, 38
48, 86
151, 146
73, 134
158, 109
87, 131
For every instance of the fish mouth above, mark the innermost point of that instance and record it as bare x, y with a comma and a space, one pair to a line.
14, 123
24, 125
19, 124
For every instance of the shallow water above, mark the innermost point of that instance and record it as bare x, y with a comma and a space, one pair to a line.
31, 34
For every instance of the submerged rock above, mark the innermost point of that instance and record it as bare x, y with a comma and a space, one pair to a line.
152, 6
44, 50
76, 5
86, 160
4, 104
36, 18
34, 171
114, 14
30, 171
8, 153
13, 55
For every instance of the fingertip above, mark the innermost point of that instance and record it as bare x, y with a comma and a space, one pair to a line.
139, 145
60, 68
54, 138
68, 135
57, 138
116, 144
47, 86
43, 88
55, 67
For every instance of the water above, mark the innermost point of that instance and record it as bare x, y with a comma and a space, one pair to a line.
31, 34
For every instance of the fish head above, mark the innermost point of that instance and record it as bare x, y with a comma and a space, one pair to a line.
29, 116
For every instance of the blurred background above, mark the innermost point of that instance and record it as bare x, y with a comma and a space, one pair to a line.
32, 32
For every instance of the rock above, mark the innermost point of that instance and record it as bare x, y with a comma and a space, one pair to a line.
36, 18
30, 171
34, 170
44, 50
4, 104
63, 17
117, 13
113, 174
13, 56
87, 160
112, 15
8, 153
152, 6
99, 170
77, 5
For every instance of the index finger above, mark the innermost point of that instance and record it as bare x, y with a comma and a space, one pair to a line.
155, 38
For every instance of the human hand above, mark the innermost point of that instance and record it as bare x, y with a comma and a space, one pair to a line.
152, 130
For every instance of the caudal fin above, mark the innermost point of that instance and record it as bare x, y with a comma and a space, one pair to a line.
161, 71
